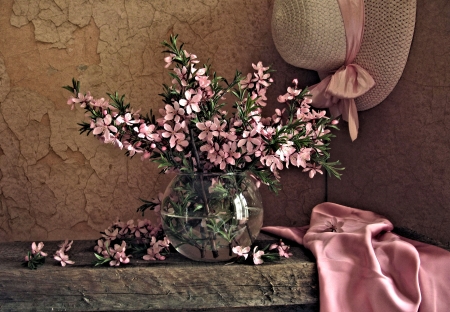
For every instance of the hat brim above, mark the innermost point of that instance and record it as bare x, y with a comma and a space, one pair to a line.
310, 34
388, 33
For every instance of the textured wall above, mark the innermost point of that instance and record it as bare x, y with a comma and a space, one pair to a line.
398, 166
55, 183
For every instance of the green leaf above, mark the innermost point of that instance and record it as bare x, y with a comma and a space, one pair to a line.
198, 207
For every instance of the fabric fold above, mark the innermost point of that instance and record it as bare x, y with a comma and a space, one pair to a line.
363, 266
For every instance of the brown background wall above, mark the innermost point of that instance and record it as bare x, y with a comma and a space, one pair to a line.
56, 184
399, 165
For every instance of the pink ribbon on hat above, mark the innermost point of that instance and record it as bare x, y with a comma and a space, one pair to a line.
338, 90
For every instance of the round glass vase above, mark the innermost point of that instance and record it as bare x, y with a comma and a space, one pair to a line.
205, 215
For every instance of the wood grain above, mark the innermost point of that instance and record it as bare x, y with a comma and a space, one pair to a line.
176, 284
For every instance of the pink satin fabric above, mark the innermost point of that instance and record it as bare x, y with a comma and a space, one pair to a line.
338, 90
364, 267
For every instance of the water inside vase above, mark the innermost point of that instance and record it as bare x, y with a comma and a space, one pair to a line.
212, 238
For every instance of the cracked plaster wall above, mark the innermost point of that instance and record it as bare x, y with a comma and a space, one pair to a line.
56, 184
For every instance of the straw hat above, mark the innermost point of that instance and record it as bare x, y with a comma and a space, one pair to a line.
310, 34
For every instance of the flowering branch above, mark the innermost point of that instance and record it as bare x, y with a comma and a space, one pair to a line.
35, 257
194, 134
61, 255
122, 240
272, 252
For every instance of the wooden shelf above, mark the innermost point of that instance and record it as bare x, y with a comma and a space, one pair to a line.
175, 284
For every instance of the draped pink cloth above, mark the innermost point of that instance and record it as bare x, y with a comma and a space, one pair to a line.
338, 90
364, 267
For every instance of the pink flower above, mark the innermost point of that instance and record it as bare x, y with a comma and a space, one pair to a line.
259, 66
38, 249
100, 247
276, 118
182, 75
272, 161
261, 79
283, 250
176, 137
141, 228
169, 59
173, 133
241, 252
203, 81
119, 255
222, 132
198, 72
148, 132
110, 138
127, 119
299, 159
334, 225
313, 169
291, 94
285, 152
257, 256
103, 126
282, 98
247, 82
212, 152
102, 103
65, 246
110, 234
146, 155
229, 154
154, 252
318, 115
191, 101
158, 200
192, 57
174, 112
80, 98
133, 149
209, 130
261, 98
250, 141
63, 258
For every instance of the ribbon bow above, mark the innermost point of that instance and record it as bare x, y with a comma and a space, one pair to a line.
338, 90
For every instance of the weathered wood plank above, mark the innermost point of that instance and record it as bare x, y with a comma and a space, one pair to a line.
176, 284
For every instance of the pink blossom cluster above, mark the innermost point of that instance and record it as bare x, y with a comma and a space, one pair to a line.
112, 247
156, 246
141, 232
258, 256
61, 254
283, 250
35, 250
193, 130
114, 255
36, 256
